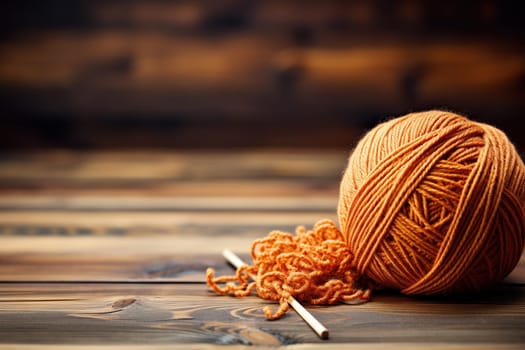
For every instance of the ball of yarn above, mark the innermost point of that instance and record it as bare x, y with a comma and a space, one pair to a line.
434, 203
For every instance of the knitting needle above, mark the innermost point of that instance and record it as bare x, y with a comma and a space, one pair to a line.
317, 326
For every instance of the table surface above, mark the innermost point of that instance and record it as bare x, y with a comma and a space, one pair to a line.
109, 249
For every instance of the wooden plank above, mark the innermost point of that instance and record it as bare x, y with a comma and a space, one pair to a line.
166, 74
190, 313
114, 167
136, 250
47, 179
114, 259
119, 246
162, 223
172, 204
46, 194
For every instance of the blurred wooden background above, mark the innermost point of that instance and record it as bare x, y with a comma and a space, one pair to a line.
247, 73
140, 138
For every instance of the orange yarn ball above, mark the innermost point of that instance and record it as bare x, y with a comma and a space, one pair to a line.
434, 203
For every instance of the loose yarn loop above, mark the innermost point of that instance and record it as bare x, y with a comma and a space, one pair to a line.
314, 266
430, 203
434, 203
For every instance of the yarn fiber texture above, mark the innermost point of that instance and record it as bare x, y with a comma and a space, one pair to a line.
313, 266
434, 203
430, 203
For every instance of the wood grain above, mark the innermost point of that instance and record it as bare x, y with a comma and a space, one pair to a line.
189, 313
85, 265
67, 176
113, 167
102, 245
136, 258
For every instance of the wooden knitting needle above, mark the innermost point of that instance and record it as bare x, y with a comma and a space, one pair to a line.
317, 326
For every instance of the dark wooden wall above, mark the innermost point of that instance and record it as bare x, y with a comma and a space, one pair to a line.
280, 73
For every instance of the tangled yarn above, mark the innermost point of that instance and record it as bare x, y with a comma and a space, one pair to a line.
315, 267
430, 203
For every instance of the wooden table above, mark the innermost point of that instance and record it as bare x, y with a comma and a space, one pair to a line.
108, 250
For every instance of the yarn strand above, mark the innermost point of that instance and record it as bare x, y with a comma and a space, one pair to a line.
313, 266
430, 203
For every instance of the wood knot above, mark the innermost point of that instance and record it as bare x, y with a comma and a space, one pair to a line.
122, 303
